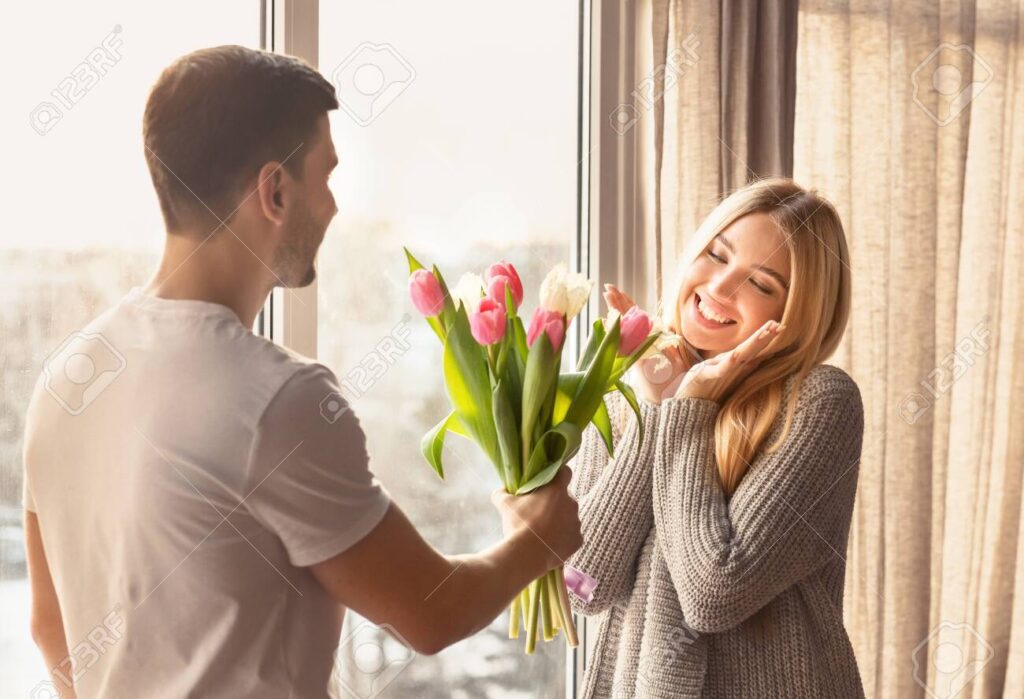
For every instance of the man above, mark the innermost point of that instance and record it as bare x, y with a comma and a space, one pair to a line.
195, 524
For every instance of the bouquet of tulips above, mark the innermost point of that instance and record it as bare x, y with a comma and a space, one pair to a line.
507, 393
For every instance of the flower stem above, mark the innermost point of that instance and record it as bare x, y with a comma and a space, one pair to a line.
545, 607
554, 602
566, 608
531, 618
513, 618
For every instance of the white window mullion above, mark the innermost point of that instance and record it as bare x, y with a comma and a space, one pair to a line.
295, 31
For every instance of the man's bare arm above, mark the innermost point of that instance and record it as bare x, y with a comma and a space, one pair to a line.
392, 576
47, 625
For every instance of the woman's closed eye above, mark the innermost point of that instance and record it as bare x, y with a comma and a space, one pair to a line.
720, 260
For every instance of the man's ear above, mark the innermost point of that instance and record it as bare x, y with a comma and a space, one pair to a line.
270, 185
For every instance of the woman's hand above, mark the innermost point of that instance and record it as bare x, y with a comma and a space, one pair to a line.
715, 378
655, 378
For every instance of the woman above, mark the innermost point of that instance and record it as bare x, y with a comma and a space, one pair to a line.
719, 542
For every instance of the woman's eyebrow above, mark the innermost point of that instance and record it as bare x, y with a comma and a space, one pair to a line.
761, 268
773, 274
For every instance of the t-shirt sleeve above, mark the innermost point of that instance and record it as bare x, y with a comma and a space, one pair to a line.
309, 479
27, 501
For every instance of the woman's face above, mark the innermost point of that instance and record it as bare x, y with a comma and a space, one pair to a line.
738, 283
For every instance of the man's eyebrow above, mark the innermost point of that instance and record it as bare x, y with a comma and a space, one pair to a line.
767, 270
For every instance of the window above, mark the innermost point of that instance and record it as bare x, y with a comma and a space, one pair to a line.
86, 224
458, 139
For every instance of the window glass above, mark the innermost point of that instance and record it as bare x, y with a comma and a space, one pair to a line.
458, 139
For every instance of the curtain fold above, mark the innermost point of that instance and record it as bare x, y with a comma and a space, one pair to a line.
724, 120
909, 116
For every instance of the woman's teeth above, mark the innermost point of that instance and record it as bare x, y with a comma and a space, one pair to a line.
706, 311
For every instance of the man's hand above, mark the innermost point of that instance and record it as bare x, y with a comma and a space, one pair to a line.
548, 518
392, 576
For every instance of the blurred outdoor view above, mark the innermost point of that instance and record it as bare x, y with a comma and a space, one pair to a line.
470, 158
461, 145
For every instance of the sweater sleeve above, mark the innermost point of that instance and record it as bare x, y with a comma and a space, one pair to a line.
790, 514
615, 506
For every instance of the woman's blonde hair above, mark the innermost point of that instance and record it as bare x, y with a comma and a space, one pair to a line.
815, 315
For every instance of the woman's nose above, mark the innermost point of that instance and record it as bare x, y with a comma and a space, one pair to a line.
723, 285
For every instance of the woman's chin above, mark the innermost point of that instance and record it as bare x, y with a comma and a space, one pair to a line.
700, 341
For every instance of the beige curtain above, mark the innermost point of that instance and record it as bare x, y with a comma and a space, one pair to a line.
910, 116
727, 113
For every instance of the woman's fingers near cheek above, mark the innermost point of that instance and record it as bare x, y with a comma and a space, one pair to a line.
750, 348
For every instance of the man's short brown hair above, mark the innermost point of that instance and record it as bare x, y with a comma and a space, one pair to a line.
216, 116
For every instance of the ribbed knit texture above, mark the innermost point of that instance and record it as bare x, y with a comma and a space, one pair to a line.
683, 571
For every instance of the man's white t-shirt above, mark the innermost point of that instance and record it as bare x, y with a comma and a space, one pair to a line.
184, 472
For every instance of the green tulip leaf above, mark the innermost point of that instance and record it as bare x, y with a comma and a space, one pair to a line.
540, 374
468, 384
596, 380
508, 437
593, 342
433, 442
414, 264
603, 423
627, 392
552, 451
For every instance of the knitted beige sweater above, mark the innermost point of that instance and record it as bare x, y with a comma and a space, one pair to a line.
682, 570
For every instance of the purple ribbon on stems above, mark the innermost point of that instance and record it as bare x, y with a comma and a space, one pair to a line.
579, 583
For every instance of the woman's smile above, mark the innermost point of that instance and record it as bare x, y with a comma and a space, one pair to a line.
710, 314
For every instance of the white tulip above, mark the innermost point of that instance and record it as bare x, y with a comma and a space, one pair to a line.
468, 291
565, 292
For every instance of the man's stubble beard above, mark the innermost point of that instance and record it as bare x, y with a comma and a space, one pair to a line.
295, 259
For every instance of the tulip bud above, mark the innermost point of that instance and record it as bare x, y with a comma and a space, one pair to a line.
500, 275
550, 322
426, 292
564, 291
487, 323
468, 291
635, 326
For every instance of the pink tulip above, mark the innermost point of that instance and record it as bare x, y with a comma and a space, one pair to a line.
426, 292
635, 325
487, 323
500, 275
550, 322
